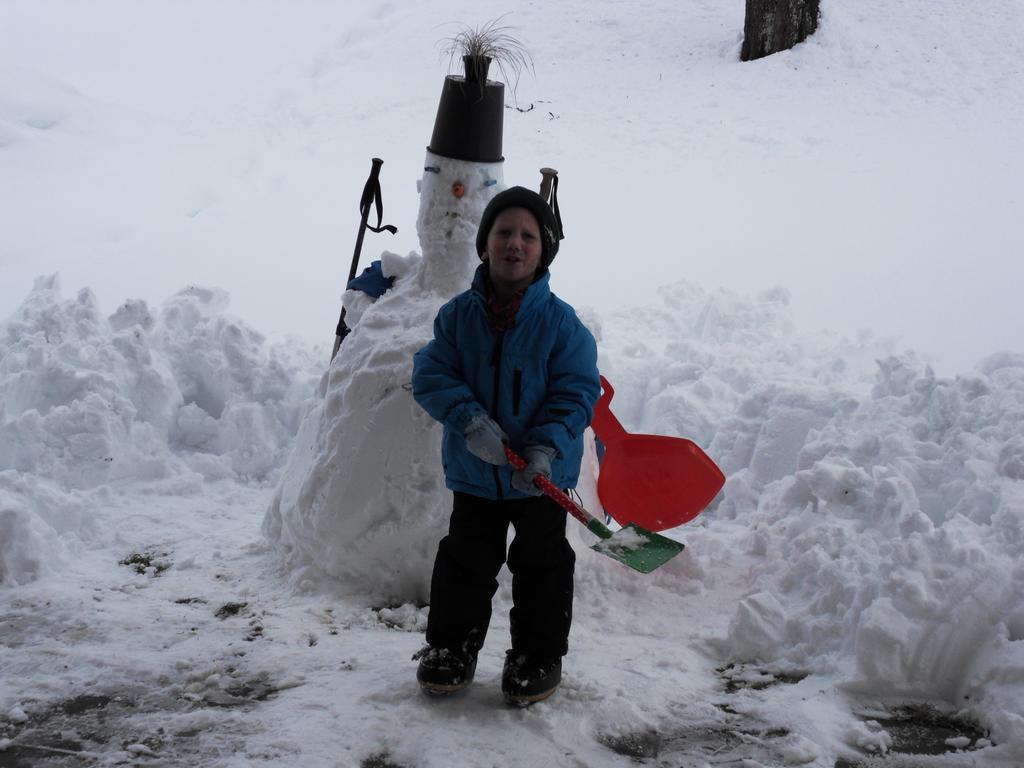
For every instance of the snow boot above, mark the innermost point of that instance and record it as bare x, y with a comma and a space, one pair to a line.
527, 679
443, 671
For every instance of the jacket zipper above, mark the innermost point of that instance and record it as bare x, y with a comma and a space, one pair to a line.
496, 363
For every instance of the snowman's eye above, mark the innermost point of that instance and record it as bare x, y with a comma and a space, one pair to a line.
433, 168
490, 182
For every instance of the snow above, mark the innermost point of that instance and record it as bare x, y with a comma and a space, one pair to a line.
215, 547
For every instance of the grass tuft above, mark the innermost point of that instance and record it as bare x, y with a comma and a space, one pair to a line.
493, 41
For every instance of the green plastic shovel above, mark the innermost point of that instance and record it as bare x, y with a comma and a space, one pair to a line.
633, 546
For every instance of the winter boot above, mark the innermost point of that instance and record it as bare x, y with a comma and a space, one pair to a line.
526, 679
443, 671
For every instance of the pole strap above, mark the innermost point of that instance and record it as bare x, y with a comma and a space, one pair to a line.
372, 196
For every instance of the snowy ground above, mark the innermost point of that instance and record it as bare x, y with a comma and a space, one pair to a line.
147, 622
861, 567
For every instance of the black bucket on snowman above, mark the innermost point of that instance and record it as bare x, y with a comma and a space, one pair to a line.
470, 115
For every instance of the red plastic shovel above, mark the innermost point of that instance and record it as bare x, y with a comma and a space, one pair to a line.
654, 481
632, 546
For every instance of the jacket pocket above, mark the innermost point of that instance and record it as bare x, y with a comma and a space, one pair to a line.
517, 390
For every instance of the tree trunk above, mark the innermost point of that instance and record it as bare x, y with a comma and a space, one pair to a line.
776, 25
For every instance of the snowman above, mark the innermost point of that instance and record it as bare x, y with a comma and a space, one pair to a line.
362, 498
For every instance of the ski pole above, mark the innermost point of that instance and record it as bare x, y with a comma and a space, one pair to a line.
549, 192
371, 196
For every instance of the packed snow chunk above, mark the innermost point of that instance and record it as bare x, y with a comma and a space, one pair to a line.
837, 482
1009, 362
86, 401
884, 642
995, 685
131, 313
758, 629
39, 527
797, 750
784, 420
362, 498
392, 266
730, 318
209, 351
948, 438
74, 396
407, 617
243, 398
26, 544
1011, 458
253, 439
942, 599
869, 736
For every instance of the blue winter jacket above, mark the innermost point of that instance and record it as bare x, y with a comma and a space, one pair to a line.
537, 380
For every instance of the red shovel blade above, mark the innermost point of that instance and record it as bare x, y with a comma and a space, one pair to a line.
654, 481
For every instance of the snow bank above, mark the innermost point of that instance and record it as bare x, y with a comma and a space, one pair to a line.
893, 540
88, 401
881, 507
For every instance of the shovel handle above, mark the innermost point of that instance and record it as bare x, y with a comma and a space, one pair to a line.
552, 491
604, 423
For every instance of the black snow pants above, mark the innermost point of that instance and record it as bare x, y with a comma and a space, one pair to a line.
465, 575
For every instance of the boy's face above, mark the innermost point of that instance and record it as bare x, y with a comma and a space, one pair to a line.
514, 248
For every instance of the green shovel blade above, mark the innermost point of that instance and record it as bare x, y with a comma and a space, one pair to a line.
638, 548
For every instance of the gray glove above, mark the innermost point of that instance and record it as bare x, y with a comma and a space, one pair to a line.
538, 462
486, 440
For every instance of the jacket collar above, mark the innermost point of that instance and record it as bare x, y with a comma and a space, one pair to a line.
535, 292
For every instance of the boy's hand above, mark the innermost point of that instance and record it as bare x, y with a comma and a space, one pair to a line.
486, 440
538, 462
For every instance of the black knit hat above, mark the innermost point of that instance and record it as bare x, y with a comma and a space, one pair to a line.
521, 197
